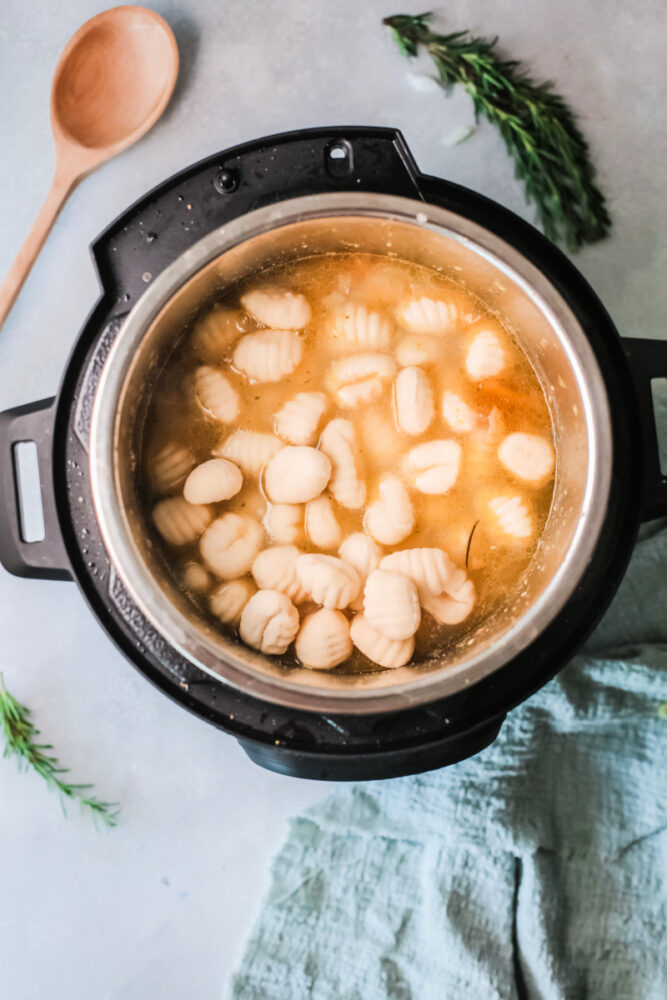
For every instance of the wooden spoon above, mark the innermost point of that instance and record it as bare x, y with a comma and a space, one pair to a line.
112, 83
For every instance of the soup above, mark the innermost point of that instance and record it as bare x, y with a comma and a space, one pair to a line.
348, 460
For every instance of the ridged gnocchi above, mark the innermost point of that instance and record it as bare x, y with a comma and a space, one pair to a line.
230, 544
379, 648
229, 599
216, 395
486, 355
278, 308
296, 474
345, 455
359, 328
321, 525
391, 604
268, 355
212, 481
391, 518
169, 466
413, 397
269, 622
433, 467
428, 316
339, 443
528, 457
324, 639
328, 580
180, 522
284, 522
250, 450
298, 419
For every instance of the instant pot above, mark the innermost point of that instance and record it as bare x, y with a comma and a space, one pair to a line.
162, 262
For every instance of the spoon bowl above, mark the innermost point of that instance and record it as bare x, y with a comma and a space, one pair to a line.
113, 80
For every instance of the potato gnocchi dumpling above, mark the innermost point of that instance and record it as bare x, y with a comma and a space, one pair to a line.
486, 355
391, 518
230, 544
324, 639
322, 528
275, 569
278, 308
346, 459
269, 622
328, 580
214, 480
296, 474
358, 328
216, 395
180, 522
413, 397
428, 316
268, 355
250, 450
433, 467
339, 443
379, 648
298, 419
391, 604
229, 599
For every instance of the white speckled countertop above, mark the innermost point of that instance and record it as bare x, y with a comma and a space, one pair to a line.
160, 906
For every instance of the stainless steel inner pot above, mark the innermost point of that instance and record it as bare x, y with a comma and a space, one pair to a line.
551, 337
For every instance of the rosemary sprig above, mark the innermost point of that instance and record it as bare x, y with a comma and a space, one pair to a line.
540, 131
20, 742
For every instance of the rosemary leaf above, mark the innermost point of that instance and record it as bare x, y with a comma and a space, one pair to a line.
21, 742
539, 130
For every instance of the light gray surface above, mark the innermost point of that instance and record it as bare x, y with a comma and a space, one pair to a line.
160, 906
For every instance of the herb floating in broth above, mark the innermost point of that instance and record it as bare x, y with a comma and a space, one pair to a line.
540, 131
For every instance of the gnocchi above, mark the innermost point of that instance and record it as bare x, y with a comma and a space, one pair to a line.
216, 395
230, 544
180, 522
268, 355
269, 622
339, 443
212, 481
528, 457
278, 308
298, 419
379, 648
414, 400
328, 580
229, 599
169, 467
358, 327
284, 522
296, 474
428, 316
324, 639
250, 450
275, 569
391, 604
486, 356
434, 466
347, 460
322, 528
391, 518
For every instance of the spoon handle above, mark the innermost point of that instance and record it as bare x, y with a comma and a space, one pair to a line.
63, 184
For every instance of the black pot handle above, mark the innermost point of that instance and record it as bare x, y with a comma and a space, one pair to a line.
45, 559
648, 361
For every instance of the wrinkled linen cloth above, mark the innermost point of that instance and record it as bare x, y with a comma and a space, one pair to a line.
537, 869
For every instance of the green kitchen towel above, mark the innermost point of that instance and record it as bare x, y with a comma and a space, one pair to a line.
537, 869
